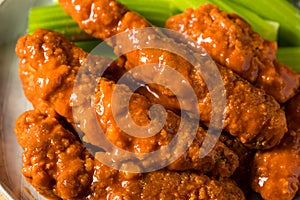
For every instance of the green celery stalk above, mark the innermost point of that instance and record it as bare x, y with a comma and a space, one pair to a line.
149, 4
267, 28
290, 56
54, 18
87, 46
281, 11
182, 5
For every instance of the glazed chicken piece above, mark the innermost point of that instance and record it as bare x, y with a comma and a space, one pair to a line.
276, 173
60, 167
48, 67
251, 115
232, 42
219, 162
54, 161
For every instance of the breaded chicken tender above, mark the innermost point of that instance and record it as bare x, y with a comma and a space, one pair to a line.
276, 173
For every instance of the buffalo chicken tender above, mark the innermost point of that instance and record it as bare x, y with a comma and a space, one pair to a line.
231, 41
54, 161
48, 67
276, 173
220, 161
59, 167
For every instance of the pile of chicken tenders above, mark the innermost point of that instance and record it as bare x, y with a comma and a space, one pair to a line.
258, 149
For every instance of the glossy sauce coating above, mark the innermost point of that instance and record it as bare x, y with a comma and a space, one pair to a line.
231, 41
54, 161
276, 173
48, 67
220, 161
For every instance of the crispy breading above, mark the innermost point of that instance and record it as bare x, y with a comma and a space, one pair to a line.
275, 173
54, 160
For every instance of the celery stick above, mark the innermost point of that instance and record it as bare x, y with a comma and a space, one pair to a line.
87, 45
281, 11
156, 18
182, 5
149, 4
54, 18
290, 56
